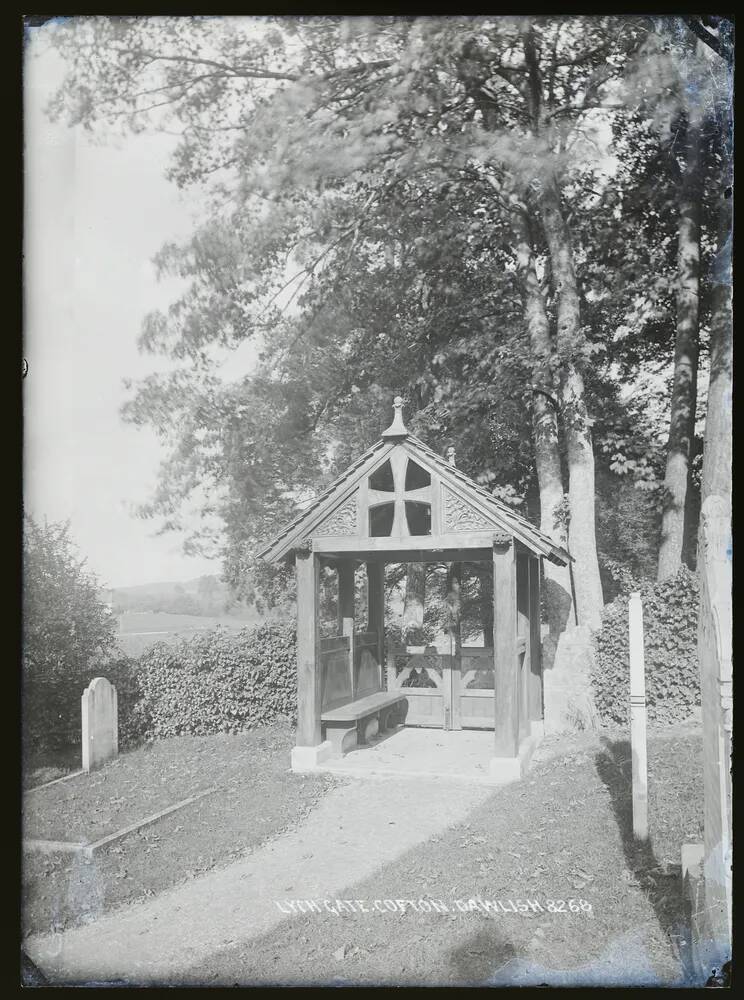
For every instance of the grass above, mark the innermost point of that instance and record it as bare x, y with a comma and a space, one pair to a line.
565, 832
39, 768
257, 797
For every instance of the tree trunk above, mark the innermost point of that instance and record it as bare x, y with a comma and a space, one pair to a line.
714, 568
413, 608
558, 598
582, 540
577, 425
716, 697
684, 385
718, 419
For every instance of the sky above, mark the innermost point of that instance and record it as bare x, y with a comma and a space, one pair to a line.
95, 214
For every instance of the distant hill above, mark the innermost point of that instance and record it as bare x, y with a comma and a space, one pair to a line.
204, 595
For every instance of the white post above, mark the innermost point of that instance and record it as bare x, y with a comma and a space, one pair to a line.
638, 718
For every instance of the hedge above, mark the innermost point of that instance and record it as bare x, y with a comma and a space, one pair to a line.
218, 681
52, 714
670, 612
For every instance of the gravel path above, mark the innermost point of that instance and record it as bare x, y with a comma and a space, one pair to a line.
352, 832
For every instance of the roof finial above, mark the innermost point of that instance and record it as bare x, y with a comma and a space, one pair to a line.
451, 455
397, 428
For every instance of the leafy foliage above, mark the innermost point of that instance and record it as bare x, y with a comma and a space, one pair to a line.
52, 716
218, 682
68, 633
627, 533
362, 179
670, 613
361, 172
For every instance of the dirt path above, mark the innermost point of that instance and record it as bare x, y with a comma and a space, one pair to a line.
352, 832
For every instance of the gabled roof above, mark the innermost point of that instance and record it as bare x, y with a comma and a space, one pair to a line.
509, 520
324, 503
493, 513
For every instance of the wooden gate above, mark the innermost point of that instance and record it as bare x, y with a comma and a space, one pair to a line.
424, 675
476, 688
444, 691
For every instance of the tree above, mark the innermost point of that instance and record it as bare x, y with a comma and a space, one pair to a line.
716, 479
325, 143
67, 630
715, 615
65, 624
684, 389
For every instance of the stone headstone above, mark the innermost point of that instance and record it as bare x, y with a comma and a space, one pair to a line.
100, 724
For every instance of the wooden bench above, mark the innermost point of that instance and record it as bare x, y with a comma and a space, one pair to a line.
350, 725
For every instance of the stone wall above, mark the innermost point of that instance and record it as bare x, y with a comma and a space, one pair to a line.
567, 686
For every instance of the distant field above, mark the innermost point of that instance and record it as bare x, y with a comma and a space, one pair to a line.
138, 630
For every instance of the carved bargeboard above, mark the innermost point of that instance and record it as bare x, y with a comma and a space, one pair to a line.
343, 521
459, 515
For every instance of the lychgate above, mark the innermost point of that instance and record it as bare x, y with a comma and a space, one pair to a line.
401, 502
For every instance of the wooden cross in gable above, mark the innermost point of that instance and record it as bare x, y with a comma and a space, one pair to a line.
399, 462
399, 465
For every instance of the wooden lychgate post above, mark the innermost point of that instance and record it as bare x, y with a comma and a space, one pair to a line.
310, 748
506, 690
376, 607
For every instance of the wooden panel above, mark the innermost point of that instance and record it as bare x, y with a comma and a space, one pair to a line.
506, 692
425, 704
344, 520
477, 703
307, 568
534, 651
367, 669
425, 707
336, 680
476, 709
477, 652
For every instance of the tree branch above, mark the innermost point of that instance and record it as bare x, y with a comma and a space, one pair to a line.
224, 67
714, 42
259, 74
